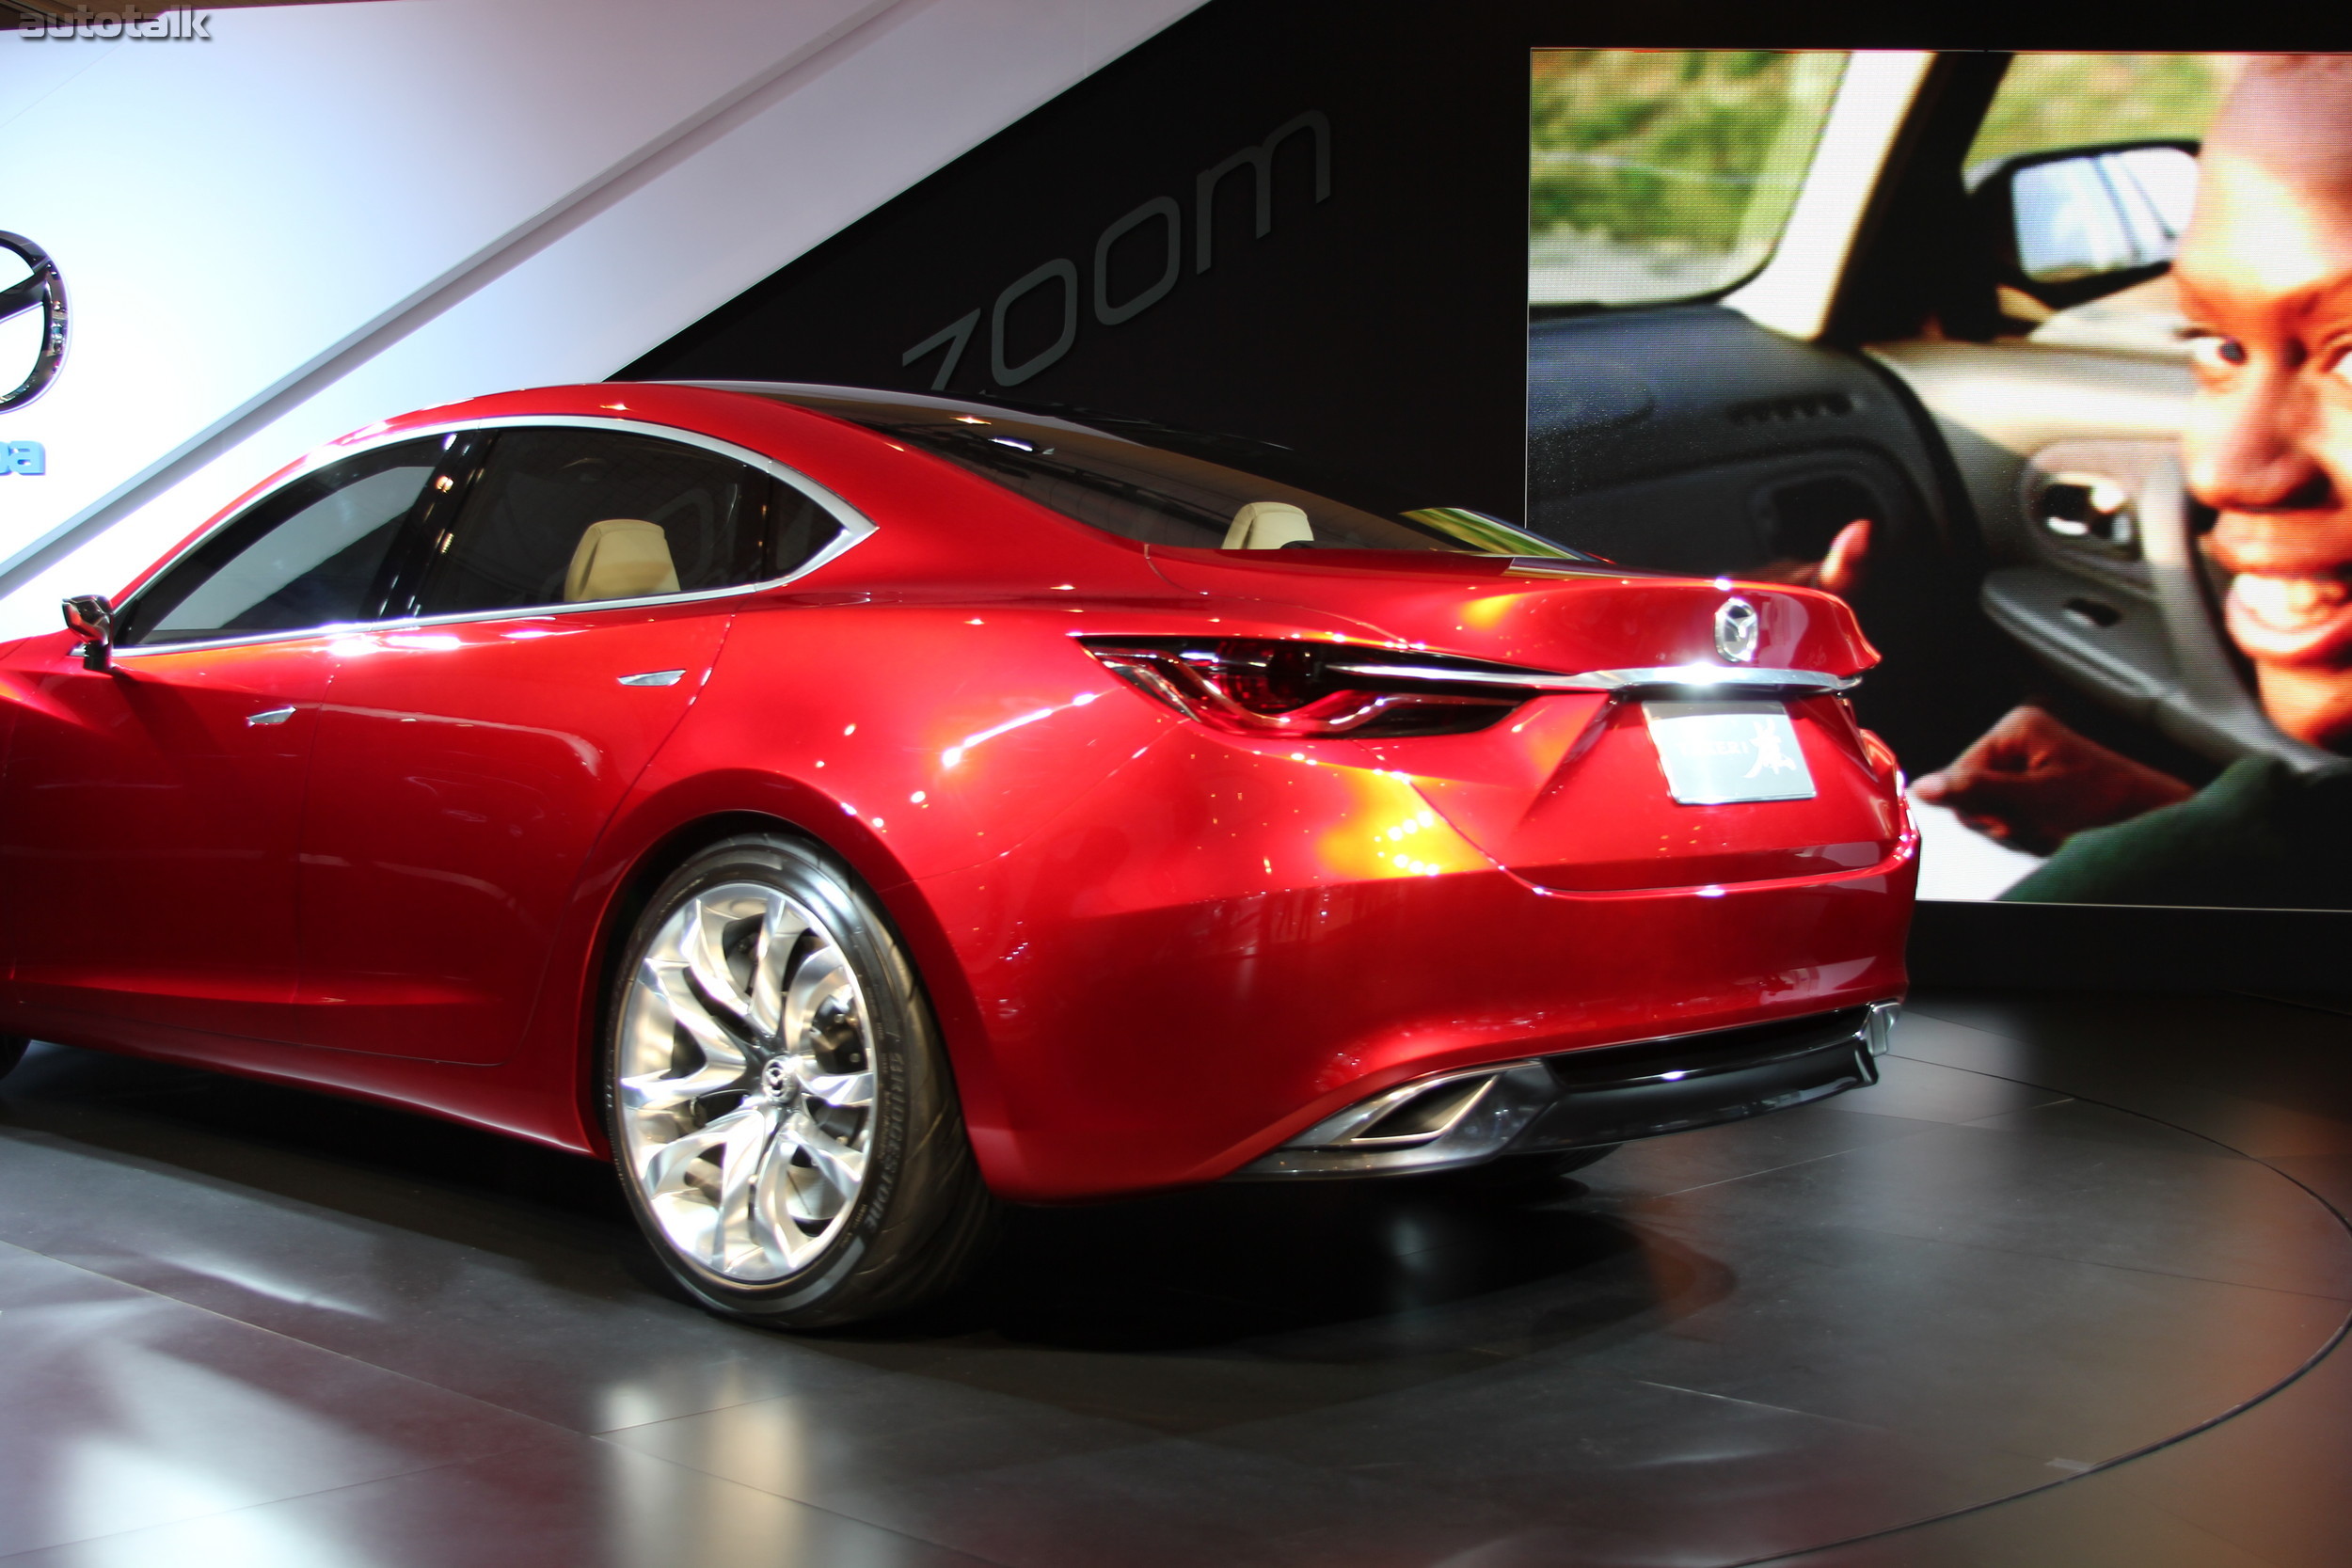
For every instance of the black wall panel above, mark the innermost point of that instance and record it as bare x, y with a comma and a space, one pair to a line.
1378, 322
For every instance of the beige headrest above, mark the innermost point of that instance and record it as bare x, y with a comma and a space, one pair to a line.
1267, 526
620, 557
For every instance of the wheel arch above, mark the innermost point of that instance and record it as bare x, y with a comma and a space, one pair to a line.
665, 839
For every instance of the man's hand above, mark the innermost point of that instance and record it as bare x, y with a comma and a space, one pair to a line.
2031, 782
1839, 571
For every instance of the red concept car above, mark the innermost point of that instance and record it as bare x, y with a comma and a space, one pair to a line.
849, 809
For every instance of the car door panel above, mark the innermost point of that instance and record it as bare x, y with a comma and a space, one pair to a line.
2129, 622
2108, 643
1997, 405
564, 610
462, 773
148, 831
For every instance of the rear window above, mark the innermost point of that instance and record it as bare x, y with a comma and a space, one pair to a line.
1164, 487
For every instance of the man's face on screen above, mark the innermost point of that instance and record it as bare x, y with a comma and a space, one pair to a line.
2265, 276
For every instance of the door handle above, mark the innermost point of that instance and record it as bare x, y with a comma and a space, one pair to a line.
271, 715
655, 677
2090, 509
2091, 612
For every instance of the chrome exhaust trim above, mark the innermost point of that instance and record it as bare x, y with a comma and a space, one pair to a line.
1878, 1029
1585, 1099
1456, 1119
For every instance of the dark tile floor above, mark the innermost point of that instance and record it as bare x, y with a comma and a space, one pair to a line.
2060, 1292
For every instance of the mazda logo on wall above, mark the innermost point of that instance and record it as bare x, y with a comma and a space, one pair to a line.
33, 347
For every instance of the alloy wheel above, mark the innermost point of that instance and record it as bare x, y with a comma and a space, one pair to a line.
746, 1082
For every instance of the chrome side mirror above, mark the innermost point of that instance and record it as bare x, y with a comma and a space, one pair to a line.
2071, 225
92, 620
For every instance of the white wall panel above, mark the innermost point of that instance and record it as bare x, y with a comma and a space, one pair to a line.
331, 213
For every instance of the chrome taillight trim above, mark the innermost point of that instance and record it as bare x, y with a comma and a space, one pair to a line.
1179, 671
1169, 667
1675, 677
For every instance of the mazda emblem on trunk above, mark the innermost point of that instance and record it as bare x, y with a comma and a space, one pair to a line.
1735, 631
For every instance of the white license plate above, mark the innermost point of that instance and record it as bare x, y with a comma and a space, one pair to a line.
1717, 753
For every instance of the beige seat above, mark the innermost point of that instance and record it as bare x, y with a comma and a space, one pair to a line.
1268, 525
621, 558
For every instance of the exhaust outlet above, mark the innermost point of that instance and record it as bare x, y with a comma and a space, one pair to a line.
1459, 1118
1586, 1098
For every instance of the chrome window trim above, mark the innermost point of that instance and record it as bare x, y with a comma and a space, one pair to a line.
855, 527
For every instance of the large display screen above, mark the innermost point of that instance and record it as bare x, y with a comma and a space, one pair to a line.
2051, 382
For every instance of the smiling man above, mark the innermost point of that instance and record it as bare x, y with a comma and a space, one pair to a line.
2265, 275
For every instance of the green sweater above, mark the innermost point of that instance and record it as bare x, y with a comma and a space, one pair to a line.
2260, 836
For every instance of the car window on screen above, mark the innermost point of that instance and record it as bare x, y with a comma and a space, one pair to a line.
1664, 174
312, 555
568, 516
2050, 101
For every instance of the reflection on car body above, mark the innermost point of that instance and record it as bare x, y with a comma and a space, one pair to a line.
853, 810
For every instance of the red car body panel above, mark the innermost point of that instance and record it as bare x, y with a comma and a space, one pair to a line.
460, 776
164, 791
1155, 950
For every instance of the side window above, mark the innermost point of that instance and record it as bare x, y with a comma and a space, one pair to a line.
2052, 100
1661, 174
2049, 102
561, 516
314, 554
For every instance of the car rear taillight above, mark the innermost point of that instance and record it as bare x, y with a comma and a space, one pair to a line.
1264, 687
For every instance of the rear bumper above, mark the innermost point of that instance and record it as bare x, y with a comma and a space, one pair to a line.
1186, 972
1587, 1098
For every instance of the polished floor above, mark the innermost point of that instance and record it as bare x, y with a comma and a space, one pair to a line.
2065, 1290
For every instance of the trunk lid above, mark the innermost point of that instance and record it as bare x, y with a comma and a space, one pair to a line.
1572, 793
1546, 614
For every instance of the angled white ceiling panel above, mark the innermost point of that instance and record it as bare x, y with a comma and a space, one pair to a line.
330, 213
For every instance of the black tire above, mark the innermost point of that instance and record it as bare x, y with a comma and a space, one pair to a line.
11, 1052
1520, 1178
918, 1215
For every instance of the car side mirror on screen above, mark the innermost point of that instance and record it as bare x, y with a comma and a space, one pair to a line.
2074, 225
92, 620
